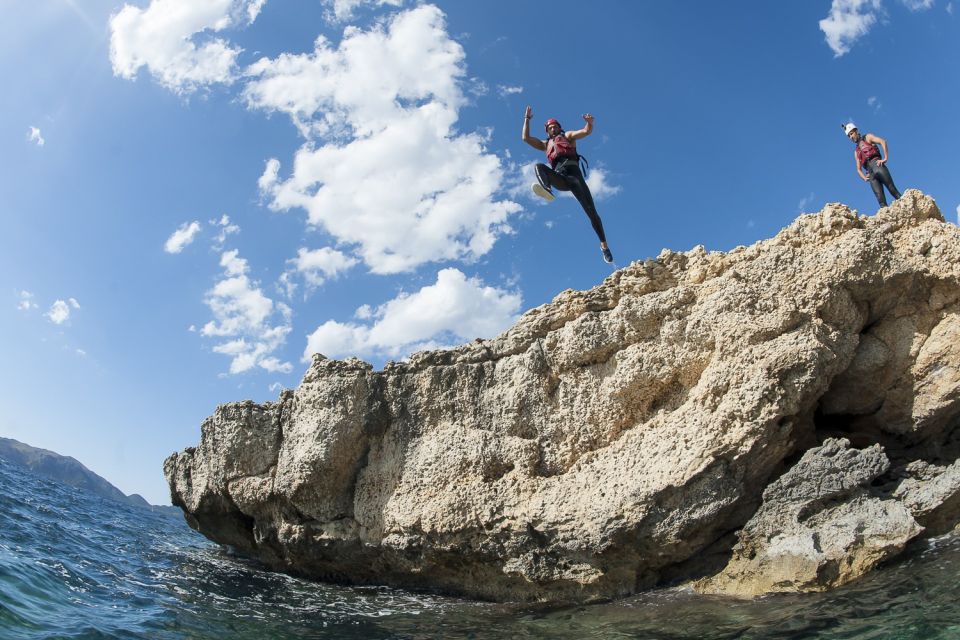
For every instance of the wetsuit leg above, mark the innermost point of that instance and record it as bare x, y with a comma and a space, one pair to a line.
580, 190
887, 180
550, 179
877, 187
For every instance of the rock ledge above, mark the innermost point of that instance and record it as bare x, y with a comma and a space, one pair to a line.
781, 417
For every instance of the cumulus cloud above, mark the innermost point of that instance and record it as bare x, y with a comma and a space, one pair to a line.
396, 180
452, 310
252, 325
25, 301
369, 80
850, 20
600, 186
59, 311
33, 135
847, 22
315, 267
182, 237
174, 40
342, 10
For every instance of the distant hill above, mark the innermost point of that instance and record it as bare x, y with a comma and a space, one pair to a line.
69, 471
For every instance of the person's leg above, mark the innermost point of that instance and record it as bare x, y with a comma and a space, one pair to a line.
550, 179
887, 180
878, 189
580, 190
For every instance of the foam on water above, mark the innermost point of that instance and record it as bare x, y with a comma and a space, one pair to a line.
73, 565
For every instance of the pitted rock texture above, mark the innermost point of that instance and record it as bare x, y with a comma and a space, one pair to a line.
616, 438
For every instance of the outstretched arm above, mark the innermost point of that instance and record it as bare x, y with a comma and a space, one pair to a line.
536, 143
582, 133
883, 144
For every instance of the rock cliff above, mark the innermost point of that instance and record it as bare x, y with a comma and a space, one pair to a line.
780, 417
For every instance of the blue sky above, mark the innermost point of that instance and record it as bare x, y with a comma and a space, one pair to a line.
197, 195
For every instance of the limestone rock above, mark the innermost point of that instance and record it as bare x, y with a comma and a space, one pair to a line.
819, 526
614, 438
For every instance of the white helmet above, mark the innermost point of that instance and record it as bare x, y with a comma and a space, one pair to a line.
847, 128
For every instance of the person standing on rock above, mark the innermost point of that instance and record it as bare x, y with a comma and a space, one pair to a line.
871, 165
564, 172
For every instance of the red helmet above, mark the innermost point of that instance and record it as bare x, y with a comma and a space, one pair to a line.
551, 121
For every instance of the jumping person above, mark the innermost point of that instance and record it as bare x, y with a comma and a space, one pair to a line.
564, 172
871, 165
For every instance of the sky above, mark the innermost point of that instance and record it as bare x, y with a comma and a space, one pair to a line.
197, 196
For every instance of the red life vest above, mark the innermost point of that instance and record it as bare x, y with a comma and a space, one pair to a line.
866, 150
559, 146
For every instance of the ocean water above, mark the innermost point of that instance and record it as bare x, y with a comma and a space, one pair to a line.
75, 566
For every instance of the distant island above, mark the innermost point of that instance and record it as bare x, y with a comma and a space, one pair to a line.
71, 472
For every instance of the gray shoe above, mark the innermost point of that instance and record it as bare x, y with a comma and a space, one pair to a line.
544, 193
607, 256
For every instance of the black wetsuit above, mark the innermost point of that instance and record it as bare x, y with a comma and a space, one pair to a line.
566, 176
880, 178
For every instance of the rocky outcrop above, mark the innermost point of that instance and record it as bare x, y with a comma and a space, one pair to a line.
779, 417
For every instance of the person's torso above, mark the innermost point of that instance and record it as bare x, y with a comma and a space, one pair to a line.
559, 146
866, 150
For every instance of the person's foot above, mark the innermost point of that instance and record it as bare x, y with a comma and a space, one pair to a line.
607, 256
543, 192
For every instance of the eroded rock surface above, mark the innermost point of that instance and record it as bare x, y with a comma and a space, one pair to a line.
617, 438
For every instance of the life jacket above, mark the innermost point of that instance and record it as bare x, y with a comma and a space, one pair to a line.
559, 146
865, 151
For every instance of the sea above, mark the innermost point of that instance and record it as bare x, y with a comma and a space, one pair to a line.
73, 565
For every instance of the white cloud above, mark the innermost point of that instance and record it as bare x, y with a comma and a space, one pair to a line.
958, 214
363, 312
173, 40
59, 312
874, 101
505, 90
454, 309
950, 8
182, 237
320, 265
847, 22
34, 136
342, 10
256, 325
805, 202
850, 20
253, 9
600, 188
226, 229
389, 98
365, 84
26, 302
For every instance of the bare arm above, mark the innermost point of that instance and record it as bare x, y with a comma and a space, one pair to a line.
582, 133
536, 143
883, 145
